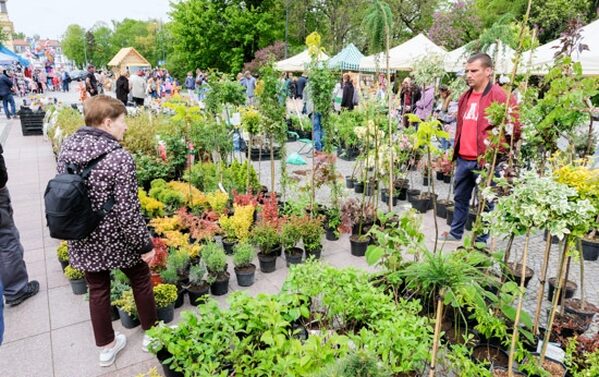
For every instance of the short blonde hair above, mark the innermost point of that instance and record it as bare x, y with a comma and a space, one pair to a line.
98, 108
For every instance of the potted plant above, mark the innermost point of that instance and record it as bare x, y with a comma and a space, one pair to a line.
62, 252
117, 287
77, 280
198, 286
332, 221
176, 272
266, 238
216, 264
165, 296
245, 270
127, 310
312, 232
158, 261
237, 226
291, 234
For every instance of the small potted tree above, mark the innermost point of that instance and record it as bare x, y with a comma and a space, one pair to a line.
127, 310
63, 254
216, 264
291, 234
266, 238
198, 286
165, 296
176, 272
77, 280
245, 270
312, 232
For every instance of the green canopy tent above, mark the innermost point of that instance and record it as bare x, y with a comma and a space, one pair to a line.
347, 59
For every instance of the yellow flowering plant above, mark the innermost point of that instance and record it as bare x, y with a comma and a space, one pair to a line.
237, 226
165, 224
217, 201
193, 197
181, 241
149, 206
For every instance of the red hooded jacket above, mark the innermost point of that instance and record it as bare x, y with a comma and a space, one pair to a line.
492, 93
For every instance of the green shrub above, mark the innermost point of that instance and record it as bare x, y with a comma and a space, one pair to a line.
197, 273
63, 251
265, 237
165, 295
73, 273
116, 290
291, 232
127, 303
312, 232
215, 258
149, 168
243, 255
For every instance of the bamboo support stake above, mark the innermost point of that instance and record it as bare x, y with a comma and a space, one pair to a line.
437, 334
541, 289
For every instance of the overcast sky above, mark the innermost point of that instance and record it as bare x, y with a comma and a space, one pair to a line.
50, 18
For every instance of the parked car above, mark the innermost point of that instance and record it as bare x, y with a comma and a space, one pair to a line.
77, 75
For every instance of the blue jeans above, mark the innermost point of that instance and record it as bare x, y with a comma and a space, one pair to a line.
445, 143
1, 312
318, 134
464, 184
5, 101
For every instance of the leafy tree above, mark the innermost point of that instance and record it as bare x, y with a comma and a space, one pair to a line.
275, 51
73, 43
142, 35
222, 34
18, 35
456, 25
103, 50
552, 16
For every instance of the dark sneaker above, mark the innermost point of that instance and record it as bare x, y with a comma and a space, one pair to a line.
32, 288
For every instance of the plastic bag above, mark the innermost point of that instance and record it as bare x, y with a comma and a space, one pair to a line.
295, 159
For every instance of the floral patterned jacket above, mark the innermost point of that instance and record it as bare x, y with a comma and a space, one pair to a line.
122, 236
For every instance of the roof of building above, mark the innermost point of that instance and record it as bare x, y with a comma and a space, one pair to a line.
130, 54
19, 42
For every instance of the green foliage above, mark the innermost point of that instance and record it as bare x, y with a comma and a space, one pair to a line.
265, 237
116, 290
140, 137
73, 273
320, 87
68, 121
343, 125
312, 232
243, 254
378, 24
74, 44
291, 232
356, 364
197, 273
462, 364
271, 108
552, 16
428, 69
127, 303
214, 257
165, 295
149, 168
177, 265
224, 90
172, 199
63, 251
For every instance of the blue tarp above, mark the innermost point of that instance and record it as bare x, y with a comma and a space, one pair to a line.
24, 62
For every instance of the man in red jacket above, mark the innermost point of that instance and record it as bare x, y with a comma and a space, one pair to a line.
471, 137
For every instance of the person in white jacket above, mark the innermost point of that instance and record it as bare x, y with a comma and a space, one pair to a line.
138, 87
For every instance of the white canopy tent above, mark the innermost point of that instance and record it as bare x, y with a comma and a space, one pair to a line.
502, 58
542, 56
402, 57
299, 62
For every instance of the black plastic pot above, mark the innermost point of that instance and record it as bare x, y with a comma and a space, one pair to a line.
470, 220
430, 203
515, 273
358, 247
228, 245
294, 255
166, 314
450, 210
128, 321
63, 264
590, 249
554, 239
425, 180
491, 353
402, 193
447, 178
359, 187
440, 175
198, 294
412, 194
114, 313
570, 287
315, 253
221, 285
180, 298
385, 197
442, 208
331, 235
421, 205
268, 262
246, 276
572, 306
355, 230
79, 286
349, 182
535, 354
162, 355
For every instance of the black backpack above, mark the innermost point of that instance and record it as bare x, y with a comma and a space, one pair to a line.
69, 211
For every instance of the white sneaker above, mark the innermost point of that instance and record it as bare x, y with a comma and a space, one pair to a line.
145, 343
108, 355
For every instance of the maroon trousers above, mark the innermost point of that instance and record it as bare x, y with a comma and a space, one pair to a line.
99, 300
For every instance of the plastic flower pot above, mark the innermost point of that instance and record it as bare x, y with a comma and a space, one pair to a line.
442, 208
245, 275
570, 288
491, 353
514, 273
166, 314
421, 204
228, 245
359, 187
268, 262
314, 253
412, 194
430, 203
78, 286
425, 180
221, 285
358, 245
163, 355
349, 182
180, 297
197, 294
128, 322
114, 313
554, 367
470, 220
450, 210
331, 234
447, 178
590, 249
63, 264
294, 255
439, 175
574, 306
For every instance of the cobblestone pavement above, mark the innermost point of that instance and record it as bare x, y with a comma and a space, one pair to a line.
51, 335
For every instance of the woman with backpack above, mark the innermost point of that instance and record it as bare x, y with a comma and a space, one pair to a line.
121, 239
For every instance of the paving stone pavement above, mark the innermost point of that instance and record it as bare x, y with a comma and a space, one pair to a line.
50, 335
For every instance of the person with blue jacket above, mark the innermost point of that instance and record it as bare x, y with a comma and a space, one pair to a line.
6, 89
